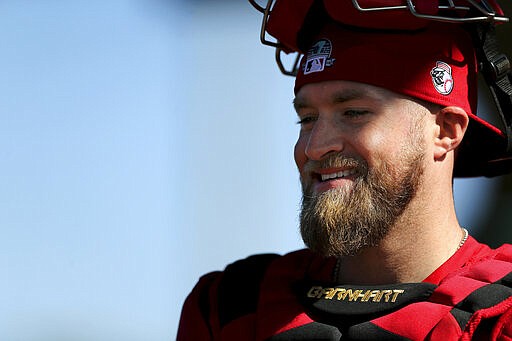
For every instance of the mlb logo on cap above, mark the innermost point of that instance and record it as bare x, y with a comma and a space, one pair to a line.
318, 57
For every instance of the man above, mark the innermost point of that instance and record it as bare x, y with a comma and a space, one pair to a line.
386, 103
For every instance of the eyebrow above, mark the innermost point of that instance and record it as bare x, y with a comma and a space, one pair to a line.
336, 98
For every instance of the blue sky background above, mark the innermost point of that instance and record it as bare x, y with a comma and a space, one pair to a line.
142, 144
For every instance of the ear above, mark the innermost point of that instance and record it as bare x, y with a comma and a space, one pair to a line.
451, 125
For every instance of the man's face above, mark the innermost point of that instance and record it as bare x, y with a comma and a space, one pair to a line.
360, 155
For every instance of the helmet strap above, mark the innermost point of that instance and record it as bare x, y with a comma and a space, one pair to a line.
497, 72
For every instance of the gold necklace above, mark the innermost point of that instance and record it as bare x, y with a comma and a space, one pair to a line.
464, 237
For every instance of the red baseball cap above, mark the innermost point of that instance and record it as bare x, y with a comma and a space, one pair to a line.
436, 64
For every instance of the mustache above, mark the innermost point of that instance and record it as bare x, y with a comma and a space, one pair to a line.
336, 161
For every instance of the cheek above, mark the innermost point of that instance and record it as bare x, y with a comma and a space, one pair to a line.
370, 144
374, 141
386, 137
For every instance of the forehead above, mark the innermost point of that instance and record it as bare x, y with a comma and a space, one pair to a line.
332, 92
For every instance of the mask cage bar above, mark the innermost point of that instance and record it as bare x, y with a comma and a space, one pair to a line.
292, 71
489, 15
266, 13
288, 71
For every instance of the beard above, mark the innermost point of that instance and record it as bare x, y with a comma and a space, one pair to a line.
342, 221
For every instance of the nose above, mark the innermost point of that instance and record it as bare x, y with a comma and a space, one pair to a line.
323, 139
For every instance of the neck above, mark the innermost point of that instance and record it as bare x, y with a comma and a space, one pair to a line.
416, 245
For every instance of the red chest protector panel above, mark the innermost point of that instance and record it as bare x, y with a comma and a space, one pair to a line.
292, 298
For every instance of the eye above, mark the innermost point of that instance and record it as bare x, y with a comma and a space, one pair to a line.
353, 113
306, 120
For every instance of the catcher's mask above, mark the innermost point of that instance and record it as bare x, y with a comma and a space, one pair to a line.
427, 49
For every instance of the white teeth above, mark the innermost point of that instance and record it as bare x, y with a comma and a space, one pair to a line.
340, 174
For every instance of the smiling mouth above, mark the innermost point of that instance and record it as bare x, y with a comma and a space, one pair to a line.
337, 175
